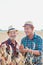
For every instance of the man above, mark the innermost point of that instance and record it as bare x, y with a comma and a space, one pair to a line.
31, 40
12, 33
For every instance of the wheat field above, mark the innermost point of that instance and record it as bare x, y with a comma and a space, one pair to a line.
20, 35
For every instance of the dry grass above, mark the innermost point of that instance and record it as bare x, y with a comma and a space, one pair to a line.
20, 34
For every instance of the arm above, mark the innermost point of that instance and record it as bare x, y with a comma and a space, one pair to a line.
35, 52
39, 47
22, 49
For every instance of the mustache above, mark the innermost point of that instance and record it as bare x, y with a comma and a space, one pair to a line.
13, 36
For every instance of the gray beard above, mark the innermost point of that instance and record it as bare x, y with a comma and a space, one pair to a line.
12, 38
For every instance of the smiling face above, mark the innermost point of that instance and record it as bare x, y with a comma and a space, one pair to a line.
28, 30
12, 34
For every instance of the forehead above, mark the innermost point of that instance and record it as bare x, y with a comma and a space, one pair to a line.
12, 31
27, 26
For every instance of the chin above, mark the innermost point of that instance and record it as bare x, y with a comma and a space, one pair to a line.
12, 38
27, 34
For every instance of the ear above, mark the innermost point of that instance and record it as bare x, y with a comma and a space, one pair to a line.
7, 33
17, 32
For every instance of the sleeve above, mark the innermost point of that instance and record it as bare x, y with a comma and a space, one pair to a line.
39, 45
22, 41
2, 43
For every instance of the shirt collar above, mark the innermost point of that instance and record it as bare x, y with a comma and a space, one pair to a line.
34, 37
9, 41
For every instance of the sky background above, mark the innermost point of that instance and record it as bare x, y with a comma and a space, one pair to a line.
17, 12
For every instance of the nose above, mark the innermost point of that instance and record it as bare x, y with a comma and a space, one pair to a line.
12, 34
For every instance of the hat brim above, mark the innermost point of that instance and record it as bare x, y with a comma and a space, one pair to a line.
12, 30
27, 25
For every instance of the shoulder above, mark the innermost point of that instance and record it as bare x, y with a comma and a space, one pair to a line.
24, 38
38, 38
4, 42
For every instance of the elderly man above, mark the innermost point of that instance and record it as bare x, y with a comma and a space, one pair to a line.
32, 41
12, 33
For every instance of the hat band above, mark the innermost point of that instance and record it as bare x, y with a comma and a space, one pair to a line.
11, 29
28, 24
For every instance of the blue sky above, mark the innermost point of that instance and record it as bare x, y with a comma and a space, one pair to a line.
17, 12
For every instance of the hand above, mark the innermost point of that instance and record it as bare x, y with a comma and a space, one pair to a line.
29, 50
36, 52
21, 47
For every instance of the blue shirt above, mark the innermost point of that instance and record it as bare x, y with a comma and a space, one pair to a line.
34, 44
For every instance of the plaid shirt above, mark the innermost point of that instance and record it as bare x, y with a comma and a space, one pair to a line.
14, 46
34, 44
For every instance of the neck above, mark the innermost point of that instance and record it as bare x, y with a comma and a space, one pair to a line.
31, 36
13, 41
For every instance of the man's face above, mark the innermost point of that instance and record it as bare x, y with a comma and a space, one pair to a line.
12, 34
28, 30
